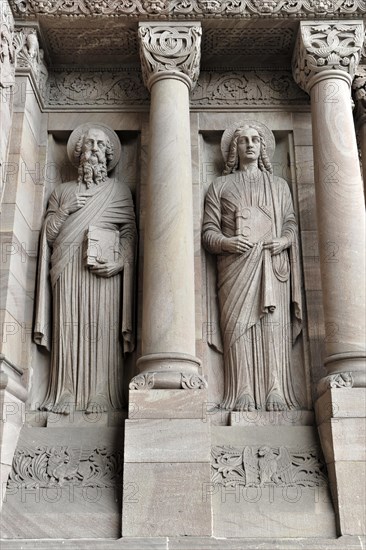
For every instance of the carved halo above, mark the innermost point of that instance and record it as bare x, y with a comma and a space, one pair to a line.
227, 136
82, 129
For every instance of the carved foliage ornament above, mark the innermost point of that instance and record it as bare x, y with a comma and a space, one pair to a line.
213, 88
62, 465
29, 55
261, 466
147, 381
170, 50
7, 51
177, 8
359, 96
325, 47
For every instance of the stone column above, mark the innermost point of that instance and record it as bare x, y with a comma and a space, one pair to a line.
359, 96
170, 58
162, 462
324, 64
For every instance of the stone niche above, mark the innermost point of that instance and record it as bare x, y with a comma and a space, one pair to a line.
169, 467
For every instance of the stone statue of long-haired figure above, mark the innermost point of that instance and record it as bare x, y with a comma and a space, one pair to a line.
249, 223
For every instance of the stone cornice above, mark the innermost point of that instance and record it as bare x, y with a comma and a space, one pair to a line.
359, 96
325, 50
170, 50
193, 8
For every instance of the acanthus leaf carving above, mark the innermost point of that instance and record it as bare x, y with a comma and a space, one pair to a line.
193, 382
203, 8
265, 465
125, 88
61, 465
142, 382
326, 47
96, 88
29, 55
170, 50
359, 96
338, 380
7, 50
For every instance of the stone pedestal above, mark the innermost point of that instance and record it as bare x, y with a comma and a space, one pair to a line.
12, 413
341, 418
326, 74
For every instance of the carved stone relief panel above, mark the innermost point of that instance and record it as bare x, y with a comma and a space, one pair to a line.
263, 465
207, 8
126, 89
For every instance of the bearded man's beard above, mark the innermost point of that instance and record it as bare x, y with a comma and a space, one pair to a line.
92, 168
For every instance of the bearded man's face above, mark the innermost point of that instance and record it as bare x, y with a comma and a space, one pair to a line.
93, 162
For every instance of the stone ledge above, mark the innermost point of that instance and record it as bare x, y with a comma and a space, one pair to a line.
188, 543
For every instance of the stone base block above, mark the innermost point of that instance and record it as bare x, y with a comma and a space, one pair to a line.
272, 418
341, 418
164, 499
348, 483
167, 465
175, 440
167, 403
269, 481
65, 483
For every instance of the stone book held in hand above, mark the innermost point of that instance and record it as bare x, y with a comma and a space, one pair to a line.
101, 244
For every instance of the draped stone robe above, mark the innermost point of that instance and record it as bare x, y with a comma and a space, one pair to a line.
259, 294
92, 317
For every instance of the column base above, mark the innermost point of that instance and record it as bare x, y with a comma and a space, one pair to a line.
168, 371
346, 370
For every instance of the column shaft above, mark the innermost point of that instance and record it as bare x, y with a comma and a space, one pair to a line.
341, 223
168, 283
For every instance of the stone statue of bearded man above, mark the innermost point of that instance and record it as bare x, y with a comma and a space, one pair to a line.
249, 223
84, 302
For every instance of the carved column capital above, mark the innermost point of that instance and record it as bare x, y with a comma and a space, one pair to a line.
29, 56
324, 50
170, 50
359, 96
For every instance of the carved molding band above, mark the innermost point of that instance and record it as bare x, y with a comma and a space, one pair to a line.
57, 466
170, 51
261, 466
96, 88
193, 8
126, 88
359, 96
327, 47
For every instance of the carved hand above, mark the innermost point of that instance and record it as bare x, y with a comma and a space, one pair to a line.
105, 268
76, 201
277, 245
236, 245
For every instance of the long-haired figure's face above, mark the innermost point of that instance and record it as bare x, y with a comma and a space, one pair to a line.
248, 145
